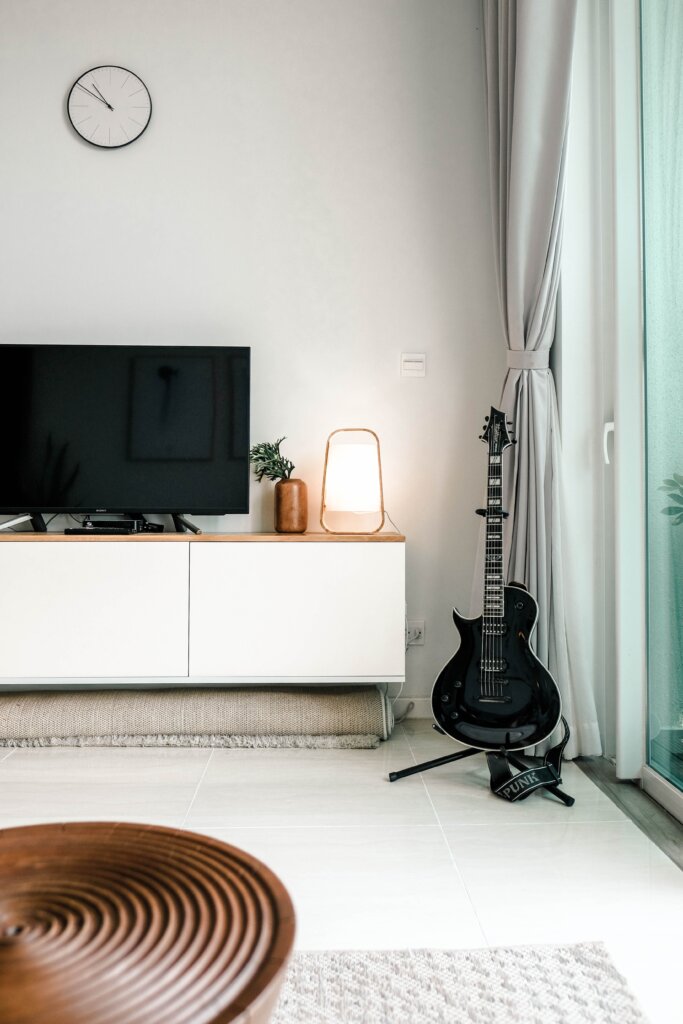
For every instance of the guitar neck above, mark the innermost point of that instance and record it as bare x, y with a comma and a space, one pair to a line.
494, 580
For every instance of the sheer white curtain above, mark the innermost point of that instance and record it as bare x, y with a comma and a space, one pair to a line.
528, 52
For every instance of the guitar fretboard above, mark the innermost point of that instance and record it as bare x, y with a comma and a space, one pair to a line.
493, 561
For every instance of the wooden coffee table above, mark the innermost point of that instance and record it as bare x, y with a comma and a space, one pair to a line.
104, 923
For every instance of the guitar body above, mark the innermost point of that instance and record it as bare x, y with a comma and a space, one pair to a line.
494, 692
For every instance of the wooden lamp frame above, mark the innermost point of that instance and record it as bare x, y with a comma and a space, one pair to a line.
360, 533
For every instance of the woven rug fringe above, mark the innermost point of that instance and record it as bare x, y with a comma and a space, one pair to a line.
346, 742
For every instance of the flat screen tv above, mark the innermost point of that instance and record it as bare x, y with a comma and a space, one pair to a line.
121, 428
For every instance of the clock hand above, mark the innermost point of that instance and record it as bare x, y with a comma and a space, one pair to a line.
102, 97
93, 95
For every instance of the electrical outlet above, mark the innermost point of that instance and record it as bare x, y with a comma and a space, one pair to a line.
415, 633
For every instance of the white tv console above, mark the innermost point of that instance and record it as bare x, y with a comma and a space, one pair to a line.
213, 609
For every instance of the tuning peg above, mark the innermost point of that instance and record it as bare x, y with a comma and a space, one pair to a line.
486, 417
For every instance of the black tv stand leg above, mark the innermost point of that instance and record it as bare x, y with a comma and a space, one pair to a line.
38, 523
182, 524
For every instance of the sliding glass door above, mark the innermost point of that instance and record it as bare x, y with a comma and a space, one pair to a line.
662, 188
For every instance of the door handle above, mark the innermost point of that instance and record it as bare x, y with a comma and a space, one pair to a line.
606, 431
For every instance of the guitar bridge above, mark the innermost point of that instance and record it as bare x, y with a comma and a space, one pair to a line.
494, 700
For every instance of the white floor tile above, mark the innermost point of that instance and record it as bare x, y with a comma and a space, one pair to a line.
606, 881
651, 963
309, 787
367, 888
368, 862
461, 793
100, 784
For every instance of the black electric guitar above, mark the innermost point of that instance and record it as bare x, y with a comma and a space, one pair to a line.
494, 693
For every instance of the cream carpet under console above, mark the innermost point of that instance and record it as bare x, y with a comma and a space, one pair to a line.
347, 717
520, 985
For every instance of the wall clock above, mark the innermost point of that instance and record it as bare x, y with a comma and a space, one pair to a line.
109, 106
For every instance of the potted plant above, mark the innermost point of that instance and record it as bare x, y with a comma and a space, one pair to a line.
291, 498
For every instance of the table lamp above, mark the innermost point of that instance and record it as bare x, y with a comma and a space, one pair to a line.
352, 482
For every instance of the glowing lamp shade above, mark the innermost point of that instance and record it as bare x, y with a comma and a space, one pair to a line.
352, 499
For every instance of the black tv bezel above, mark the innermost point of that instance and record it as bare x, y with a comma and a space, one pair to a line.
121, 509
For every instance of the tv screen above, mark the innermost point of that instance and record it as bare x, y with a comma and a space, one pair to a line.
120, 428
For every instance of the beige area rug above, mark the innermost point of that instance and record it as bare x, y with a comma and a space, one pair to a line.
346, 717
520, 985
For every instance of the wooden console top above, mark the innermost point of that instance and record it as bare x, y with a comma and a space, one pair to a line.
209, 538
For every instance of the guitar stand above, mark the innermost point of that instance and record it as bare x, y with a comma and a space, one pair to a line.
503, 783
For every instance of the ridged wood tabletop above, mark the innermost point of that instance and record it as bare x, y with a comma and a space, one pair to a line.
106, 923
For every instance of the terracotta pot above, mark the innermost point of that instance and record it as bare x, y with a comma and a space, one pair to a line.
291, 506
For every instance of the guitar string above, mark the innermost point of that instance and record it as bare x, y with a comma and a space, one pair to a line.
486, 644
497, 642
495, 592
496, 535
489, 644
494, 544
494, 596
484, 638
499, 566
489, 647
499, 570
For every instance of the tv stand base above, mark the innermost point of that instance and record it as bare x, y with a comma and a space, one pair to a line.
19, 519
182, 524
35, 518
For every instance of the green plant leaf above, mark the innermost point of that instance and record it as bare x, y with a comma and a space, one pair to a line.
267, 461
678, 478
671, 510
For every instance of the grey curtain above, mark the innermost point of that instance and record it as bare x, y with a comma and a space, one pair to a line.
528, 52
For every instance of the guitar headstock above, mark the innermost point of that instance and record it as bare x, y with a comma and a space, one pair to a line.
496, 432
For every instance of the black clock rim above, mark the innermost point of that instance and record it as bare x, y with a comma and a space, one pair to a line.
98, 145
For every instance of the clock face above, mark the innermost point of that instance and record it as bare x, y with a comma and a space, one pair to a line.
109, 106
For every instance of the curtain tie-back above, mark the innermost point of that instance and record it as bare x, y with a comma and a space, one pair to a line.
538, 360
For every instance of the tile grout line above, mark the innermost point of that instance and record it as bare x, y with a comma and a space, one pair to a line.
194, 795
320, 828
450, 851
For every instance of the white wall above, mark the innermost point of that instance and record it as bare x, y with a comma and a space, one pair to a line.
313, 184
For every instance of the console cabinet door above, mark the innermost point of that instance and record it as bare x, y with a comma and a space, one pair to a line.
297, 610
93, 609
